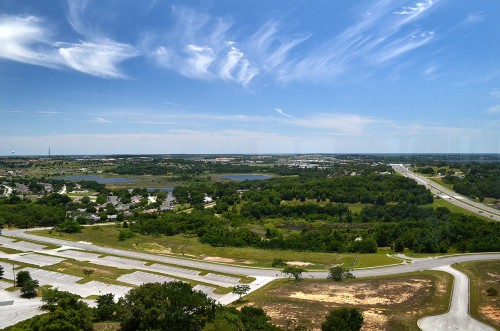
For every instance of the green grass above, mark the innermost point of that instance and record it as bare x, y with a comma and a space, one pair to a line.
8, 250
483, 275
190, 247
439, 180
280, 298
455, 209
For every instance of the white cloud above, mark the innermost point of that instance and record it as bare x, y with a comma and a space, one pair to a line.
101, 120
97, 59
419, 8
281, 112
26, 39
493, 110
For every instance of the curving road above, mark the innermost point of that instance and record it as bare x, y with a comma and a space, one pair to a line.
263, 276
418, 264
449, 195
457, 318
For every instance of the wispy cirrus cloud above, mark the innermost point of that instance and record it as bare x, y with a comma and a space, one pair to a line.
282, 112
100, 58
25, 39
201, 47
28, 39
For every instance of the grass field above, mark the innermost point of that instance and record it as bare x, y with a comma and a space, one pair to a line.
483, 275
455, 209
190, 247
390, 303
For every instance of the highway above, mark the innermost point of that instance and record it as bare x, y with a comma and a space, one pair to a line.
449, 195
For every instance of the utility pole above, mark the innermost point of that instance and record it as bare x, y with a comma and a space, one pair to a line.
14, 275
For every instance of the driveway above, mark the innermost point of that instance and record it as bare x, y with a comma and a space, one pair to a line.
457, 318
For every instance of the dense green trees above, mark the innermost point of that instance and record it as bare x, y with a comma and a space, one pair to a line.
343, 319
168, 306
339, 272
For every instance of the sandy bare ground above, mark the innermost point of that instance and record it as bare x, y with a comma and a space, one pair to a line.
299, 264
380, 300
225, 260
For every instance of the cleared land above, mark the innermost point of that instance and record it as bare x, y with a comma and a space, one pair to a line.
391, 303
483, 275
189, 246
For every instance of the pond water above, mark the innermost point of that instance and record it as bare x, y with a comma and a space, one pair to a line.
167, 189
242, 177
100, 180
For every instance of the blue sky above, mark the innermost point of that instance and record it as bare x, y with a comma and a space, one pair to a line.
225, 76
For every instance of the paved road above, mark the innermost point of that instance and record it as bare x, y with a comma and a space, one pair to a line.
450, 195
457, 318
418, 264
263, 276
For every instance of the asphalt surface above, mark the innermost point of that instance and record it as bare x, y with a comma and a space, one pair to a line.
263, 276
418, 264
457, 318
449, 195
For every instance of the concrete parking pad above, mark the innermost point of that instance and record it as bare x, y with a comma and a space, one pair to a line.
122, 263
7, 270
178, 272
209, 291
139, 278
19, 311
36, 259
222, 278
78, 255
22, 246
46, 277
97, 288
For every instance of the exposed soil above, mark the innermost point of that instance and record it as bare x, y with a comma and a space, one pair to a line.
299, 263
492, 313
381, 301
225, 260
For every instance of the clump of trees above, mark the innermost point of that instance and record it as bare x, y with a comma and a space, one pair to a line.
152, 306
28, 285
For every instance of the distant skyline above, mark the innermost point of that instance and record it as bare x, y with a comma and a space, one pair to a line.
222, 77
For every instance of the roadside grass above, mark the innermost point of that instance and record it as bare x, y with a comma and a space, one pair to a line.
439, 180
189, 247
390, 303
456, 209
483, 275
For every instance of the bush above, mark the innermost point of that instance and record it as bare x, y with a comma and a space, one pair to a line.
491, 292
344, 319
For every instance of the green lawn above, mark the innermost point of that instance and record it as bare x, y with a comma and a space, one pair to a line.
483, 275
190, 247
455, 209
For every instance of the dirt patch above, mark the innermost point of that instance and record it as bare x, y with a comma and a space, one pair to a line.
492, 313
374, 320
386, 294
225, 260
387, 304
299, 263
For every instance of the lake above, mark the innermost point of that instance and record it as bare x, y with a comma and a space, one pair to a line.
242, 177
100, 180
